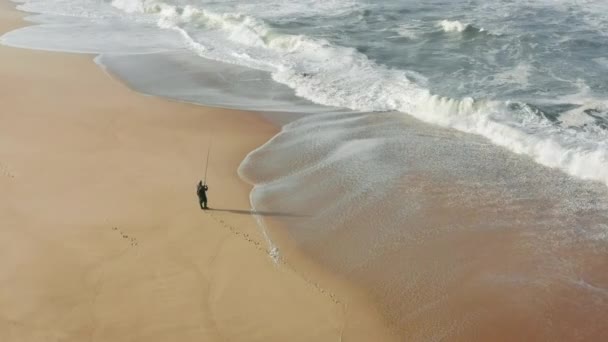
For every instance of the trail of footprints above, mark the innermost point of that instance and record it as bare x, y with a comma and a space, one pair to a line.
235, 231
259, 247
132, 240
134, 243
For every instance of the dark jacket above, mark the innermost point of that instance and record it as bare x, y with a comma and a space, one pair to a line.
201, 191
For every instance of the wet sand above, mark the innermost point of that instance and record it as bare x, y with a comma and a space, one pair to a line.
101, 237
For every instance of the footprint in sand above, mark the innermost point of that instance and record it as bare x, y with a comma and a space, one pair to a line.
132, 240
5, 171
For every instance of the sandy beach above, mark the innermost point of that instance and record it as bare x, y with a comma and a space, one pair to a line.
101, 237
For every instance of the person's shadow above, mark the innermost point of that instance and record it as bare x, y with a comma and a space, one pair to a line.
257, 212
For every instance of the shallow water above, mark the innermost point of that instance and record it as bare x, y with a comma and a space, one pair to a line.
449, 156
454, 237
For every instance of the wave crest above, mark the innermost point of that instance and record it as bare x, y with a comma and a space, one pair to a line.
457, 26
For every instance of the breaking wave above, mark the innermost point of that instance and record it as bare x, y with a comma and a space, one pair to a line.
339, 76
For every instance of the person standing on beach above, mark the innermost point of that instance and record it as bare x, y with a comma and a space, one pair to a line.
201, 191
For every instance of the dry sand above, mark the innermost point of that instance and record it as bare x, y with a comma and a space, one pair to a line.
101, 237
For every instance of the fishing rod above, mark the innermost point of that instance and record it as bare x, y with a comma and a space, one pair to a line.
207, 163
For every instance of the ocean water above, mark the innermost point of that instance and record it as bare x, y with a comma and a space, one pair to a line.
449, 156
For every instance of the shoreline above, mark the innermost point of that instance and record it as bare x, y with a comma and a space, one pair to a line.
105, 240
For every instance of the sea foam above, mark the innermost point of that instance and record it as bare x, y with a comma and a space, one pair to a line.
338, 76
452, 26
